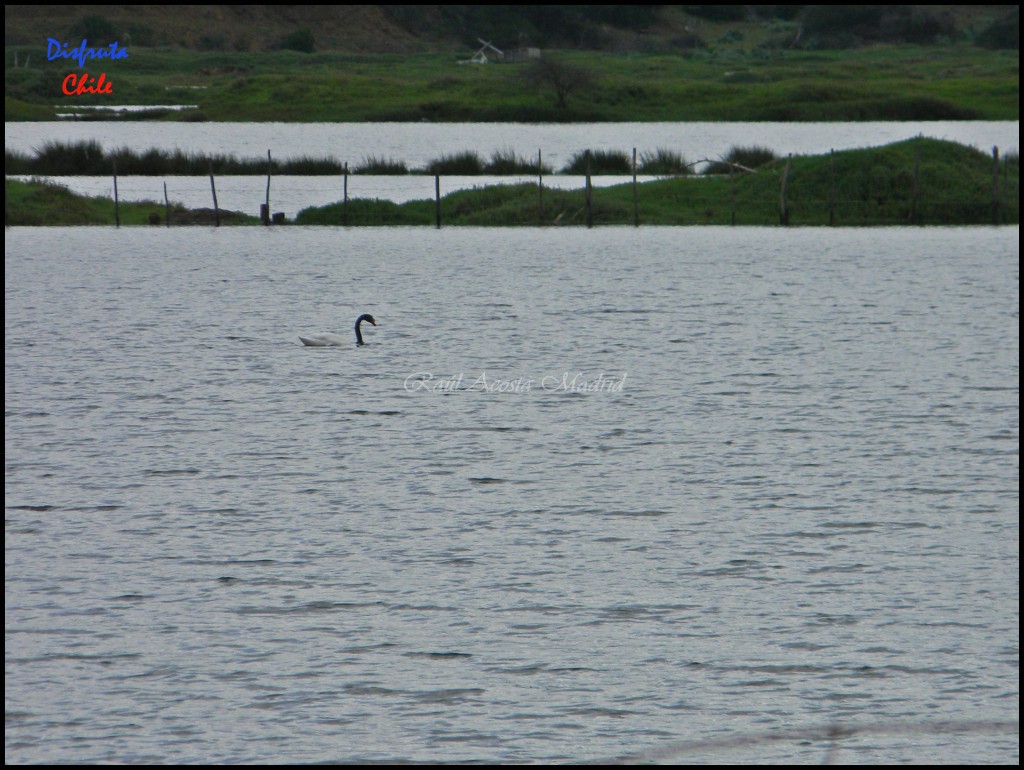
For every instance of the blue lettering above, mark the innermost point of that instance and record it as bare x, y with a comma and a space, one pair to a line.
55, 50
79, 53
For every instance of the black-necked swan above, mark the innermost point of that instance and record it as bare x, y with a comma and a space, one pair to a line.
325, 340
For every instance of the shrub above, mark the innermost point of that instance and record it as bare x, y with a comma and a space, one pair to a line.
1004, 33
300, 40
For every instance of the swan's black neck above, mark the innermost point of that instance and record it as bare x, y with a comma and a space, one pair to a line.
359, 333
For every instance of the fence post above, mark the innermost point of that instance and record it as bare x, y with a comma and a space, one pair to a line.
590, 196
1006, 191
783, 210
540, 189
437, 200
167, 206
831, 188
915, 214
266, 210
732, 191
636, 208
344, 199
213, 188
117, 207
995, 185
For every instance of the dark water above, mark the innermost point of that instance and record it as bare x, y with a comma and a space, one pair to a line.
585, 495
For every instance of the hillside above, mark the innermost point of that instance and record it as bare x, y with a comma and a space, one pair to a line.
455, 28
573, 63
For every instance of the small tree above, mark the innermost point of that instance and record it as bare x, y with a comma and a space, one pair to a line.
564, 79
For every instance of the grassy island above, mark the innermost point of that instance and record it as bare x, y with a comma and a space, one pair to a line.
915, 182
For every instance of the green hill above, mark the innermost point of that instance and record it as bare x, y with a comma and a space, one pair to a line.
546, 64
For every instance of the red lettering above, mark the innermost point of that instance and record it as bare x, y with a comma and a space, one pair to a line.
75, 86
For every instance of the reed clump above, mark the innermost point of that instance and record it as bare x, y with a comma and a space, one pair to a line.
507, 162
662, 162
467, 163
742, 159
378, 166
88, 158
599, 162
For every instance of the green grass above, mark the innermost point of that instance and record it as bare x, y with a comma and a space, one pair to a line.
905, 82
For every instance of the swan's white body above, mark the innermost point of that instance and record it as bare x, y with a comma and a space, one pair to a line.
332, 340
325, 340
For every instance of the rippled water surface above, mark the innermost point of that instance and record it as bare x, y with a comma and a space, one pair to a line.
586, 494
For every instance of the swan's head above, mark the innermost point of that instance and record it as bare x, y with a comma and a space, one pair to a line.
359, 321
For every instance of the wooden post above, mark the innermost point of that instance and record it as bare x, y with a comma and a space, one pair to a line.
540, 189
344, 195
636, 208
732, 192
213, 188
117, 207
167, 207
831, 188
995, 185
437, 199
915, 192
590, 195
783, 210
266, 218
1006, 191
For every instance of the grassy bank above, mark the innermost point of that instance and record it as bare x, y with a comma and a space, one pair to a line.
38, 202
919, 181
880, 82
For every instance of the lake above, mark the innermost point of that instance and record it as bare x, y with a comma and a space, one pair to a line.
419, 143
669, 494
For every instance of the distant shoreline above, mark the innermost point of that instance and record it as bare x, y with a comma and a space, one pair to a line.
880, 82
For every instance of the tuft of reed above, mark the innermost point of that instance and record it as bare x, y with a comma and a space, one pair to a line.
602, 162
466, 163
373, 165
662, 162
742, 159
507, 162
88, 158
